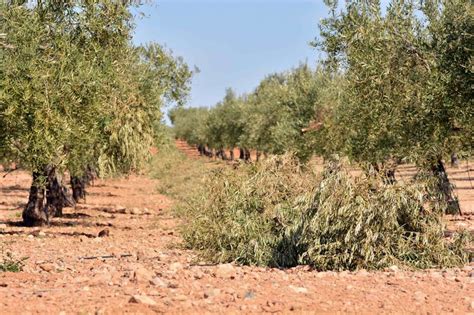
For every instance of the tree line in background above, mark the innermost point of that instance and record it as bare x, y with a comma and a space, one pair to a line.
76, 95
394, 87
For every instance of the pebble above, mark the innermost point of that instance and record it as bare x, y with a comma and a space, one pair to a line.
3, 226
225, 271
135, 211
158, 282
298, 289
120, 209
174, 267
198, 275
420, 296
142, 275
142, 299
105, 232
211, 292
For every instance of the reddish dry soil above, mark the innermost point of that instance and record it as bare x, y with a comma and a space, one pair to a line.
142, 256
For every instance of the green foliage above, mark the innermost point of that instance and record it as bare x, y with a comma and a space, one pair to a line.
8, 263
406, 79
241, 214
275, 214
76, 93
357, 223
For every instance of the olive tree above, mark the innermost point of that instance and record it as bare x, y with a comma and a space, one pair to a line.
76, 93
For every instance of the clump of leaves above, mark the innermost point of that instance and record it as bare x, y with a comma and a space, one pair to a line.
360, 223
8, 263
242, 214
277, 214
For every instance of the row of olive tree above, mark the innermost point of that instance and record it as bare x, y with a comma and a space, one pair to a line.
270, 120
77, 95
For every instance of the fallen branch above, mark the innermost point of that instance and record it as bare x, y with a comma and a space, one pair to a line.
105, 256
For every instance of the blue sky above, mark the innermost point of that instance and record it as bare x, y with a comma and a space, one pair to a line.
233, 43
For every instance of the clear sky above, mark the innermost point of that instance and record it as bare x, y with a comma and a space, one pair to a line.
233, 43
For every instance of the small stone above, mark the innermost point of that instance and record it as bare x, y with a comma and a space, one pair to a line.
105, 232
198, 275
147, 211
135, 211
471, 306
298, 289
158, 282
142, 275
225, 271
142, 299
211, 293
173, 285
3, 226
41, 234
420, 296
31, 236
180, 297
393, 268
120, 209
174, 267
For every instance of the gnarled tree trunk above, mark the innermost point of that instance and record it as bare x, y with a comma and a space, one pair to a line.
78, 186
47, 198
445, 188
247, 155
34, 213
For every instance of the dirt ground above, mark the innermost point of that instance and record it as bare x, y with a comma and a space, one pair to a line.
144, 270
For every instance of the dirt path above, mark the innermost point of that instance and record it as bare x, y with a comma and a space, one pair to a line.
161, 277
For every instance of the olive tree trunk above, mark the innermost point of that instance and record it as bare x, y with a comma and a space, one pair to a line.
241, 154
445, 188
35, 213
47, 198
78, 185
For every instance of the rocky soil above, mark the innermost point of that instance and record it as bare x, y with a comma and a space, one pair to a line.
137, 265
